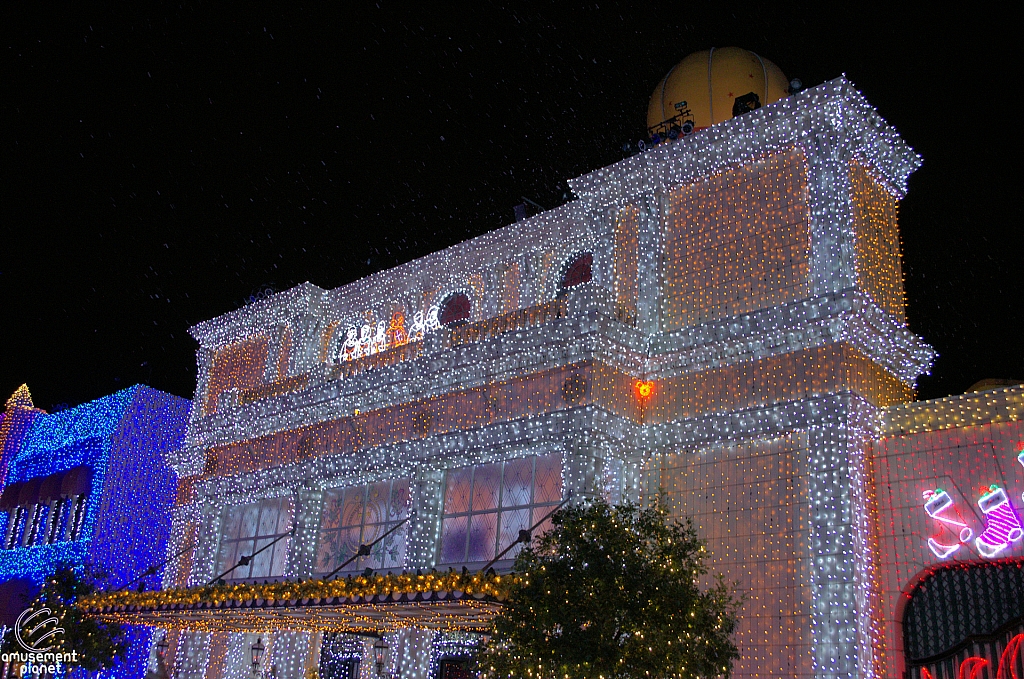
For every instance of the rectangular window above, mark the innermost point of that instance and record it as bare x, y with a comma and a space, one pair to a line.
75, 518
14, 527
247, 529
359, 515
42, 522
486, 506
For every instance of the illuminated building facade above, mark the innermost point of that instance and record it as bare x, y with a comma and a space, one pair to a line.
90, 486
720, 318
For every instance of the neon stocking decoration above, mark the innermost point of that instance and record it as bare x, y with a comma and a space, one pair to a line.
1020, 458
1003, 526
937, 505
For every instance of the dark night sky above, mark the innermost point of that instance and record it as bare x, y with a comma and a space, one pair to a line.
163, 162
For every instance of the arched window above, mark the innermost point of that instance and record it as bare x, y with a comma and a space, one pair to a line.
455, 308
580, 271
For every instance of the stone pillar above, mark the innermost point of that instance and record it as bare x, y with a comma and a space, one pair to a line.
426, 491
178, 570
204, 361
631, 478
305, 350
288, 655
841, 580
272, 370
649, 264
831, 217
192, 655
205, 564
413, 653
302, 548
581, 467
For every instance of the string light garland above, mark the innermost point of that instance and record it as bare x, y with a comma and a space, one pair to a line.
351, 587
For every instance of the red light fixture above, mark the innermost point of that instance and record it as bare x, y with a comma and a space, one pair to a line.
644, 389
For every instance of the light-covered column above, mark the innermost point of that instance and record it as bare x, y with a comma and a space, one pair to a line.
831, 215
413, 657
302, 549
204, 361
649, 264
288, 655
426, 491
846, 642
205, 564
192, 655
581, 467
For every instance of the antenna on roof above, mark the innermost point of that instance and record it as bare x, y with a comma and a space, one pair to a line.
521, 208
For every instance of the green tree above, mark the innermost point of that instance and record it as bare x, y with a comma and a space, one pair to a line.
612, 592
97, 644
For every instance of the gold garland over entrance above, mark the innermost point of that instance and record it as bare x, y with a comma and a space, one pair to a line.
452, 602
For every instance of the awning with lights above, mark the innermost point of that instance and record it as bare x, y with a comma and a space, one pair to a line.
451, 602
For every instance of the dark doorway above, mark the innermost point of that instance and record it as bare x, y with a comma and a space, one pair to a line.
454, 668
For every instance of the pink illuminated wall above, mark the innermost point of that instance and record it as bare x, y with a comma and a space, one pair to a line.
949, 480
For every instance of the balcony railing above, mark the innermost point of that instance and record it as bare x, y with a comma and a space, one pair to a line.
516, 320
391, 356
286, 386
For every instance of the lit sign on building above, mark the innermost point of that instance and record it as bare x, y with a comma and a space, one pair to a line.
939, 505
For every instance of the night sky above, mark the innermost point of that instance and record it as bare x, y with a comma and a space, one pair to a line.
163, 163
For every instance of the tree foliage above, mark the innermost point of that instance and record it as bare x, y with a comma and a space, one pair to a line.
613, 592
97, 644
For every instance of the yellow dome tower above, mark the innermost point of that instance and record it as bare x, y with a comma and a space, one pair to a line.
711, 86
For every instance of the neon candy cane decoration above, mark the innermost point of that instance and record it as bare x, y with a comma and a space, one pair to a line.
1003, 526
938, 501
972, 666
1007, 661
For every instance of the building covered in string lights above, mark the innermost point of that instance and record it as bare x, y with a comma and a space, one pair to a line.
720, 318
88, 487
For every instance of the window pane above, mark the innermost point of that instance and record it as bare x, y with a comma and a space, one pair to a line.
269, 513
456, 493
511, 523
485, 487
483, 530
453, 539
284, 516
392, 549
261, 562
364, 513
538, 514
352, 514
399, 507
259, 523
280, 555
249, 515
226, 558
232, 521
330, 543
245, 548
332, 509
349, 544
377, 499
548, 484
517, 483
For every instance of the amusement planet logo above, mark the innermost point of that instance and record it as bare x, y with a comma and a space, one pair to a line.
37, 631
